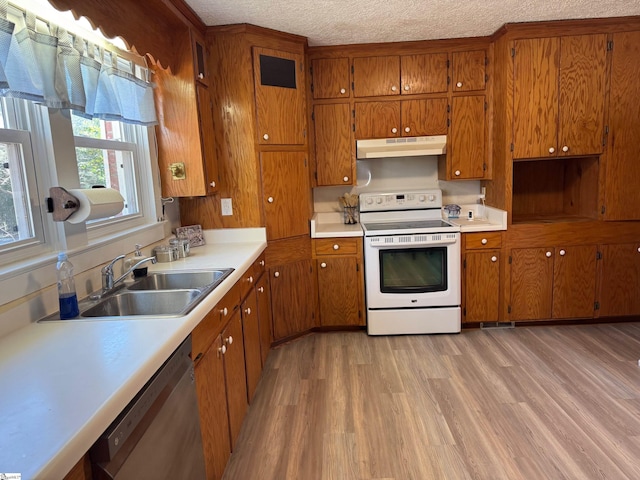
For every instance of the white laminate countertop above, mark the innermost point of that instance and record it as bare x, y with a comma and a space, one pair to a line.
485, 219
330, 224
64, 382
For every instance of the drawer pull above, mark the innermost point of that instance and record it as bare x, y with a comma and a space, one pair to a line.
323, 265
266, 136
343, 91
459, 84
222, 349
228, 340
336, 247
484, 241
224, 311
261, 289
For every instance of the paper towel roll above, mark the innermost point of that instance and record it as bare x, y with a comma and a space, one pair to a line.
96, 203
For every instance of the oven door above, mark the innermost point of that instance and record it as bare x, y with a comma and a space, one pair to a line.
412, 271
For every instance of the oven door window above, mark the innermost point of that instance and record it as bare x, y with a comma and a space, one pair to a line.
413, 270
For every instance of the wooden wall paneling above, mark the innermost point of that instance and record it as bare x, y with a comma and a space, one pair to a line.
286, 193
469, 70
583, 62
423, 117
622, 201
535, 72
332, 125
377, 119
571, 233
424, 73
574, 281
376, 76
581, 187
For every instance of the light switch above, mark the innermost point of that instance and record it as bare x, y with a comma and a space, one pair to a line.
227, 208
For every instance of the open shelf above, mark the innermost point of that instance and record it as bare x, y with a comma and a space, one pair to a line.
555, 190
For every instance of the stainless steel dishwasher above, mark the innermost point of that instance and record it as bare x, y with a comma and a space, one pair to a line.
157, 436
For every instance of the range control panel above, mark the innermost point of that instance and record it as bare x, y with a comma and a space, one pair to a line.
410, 200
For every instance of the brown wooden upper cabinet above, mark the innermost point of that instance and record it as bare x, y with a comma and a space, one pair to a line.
559, 96
330, 78
334, 159
622, 201
199, 51
406, 118
467, 154
280, 99
396, 75
469, 70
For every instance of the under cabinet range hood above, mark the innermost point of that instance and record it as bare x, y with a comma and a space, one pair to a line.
401, 147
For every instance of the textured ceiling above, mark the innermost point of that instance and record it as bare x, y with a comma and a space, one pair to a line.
338, 22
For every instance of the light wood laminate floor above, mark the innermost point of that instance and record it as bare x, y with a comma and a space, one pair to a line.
529, 403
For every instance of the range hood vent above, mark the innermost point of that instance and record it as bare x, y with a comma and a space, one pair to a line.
401, 147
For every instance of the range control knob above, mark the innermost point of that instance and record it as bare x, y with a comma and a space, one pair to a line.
369, 201
432, 198
378, 200
422, 198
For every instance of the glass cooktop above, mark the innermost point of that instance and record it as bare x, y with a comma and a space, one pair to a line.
426, 225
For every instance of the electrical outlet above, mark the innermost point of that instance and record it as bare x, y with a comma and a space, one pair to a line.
227, 208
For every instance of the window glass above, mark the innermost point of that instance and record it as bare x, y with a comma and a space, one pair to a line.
16, 220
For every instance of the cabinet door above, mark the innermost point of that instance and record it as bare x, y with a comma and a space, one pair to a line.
205, 110
622, 201
531, 283
583, 63
338, 291
330, 78
425, 73
236, 379
293, 298
535, 97
280, 99
574, 282
620, 280
376, 76
285, 186
468, 146
199, 51
251, 337
469, 70
482, 286
264, 316
334, 161
377, 120
424, 117
212, 403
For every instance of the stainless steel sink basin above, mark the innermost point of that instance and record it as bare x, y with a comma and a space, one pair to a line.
166, 302
177, 280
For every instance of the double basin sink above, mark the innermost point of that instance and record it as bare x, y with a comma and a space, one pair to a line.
159, 294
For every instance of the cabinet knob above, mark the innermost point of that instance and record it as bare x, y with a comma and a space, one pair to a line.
323, 265
336, 247
201, 75
394, 130
484, 241
228, 340
222, 349
247, 310
552, 150
638, 249
459, 84
394, 88
406, 88
457, 173
224, 311
265, 136
276, 274
250, 279
343, 91
261, 289
270, 199
345, 179
548, 254
212, 184
262, 263
562, 253
565, 148
407, 129
494, 259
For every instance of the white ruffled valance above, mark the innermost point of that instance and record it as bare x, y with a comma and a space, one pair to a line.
61, 70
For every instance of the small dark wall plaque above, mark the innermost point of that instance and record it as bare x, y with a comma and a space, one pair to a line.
277, 72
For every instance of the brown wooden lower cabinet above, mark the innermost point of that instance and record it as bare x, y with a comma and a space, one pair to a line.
81, 470
620, 280
293, 298
251, 337
553, 282
482, 285
264, 316
212, 402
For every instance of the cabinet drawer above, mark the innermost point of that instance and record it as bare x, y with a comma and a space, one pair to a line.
336, 246
207, 330
483, 240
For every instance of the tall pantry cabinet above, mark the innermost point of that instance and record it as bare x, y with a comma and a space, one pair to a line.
258, 80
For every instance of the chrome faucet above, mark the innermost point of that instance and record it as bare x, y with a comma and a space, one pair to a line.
108, 282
